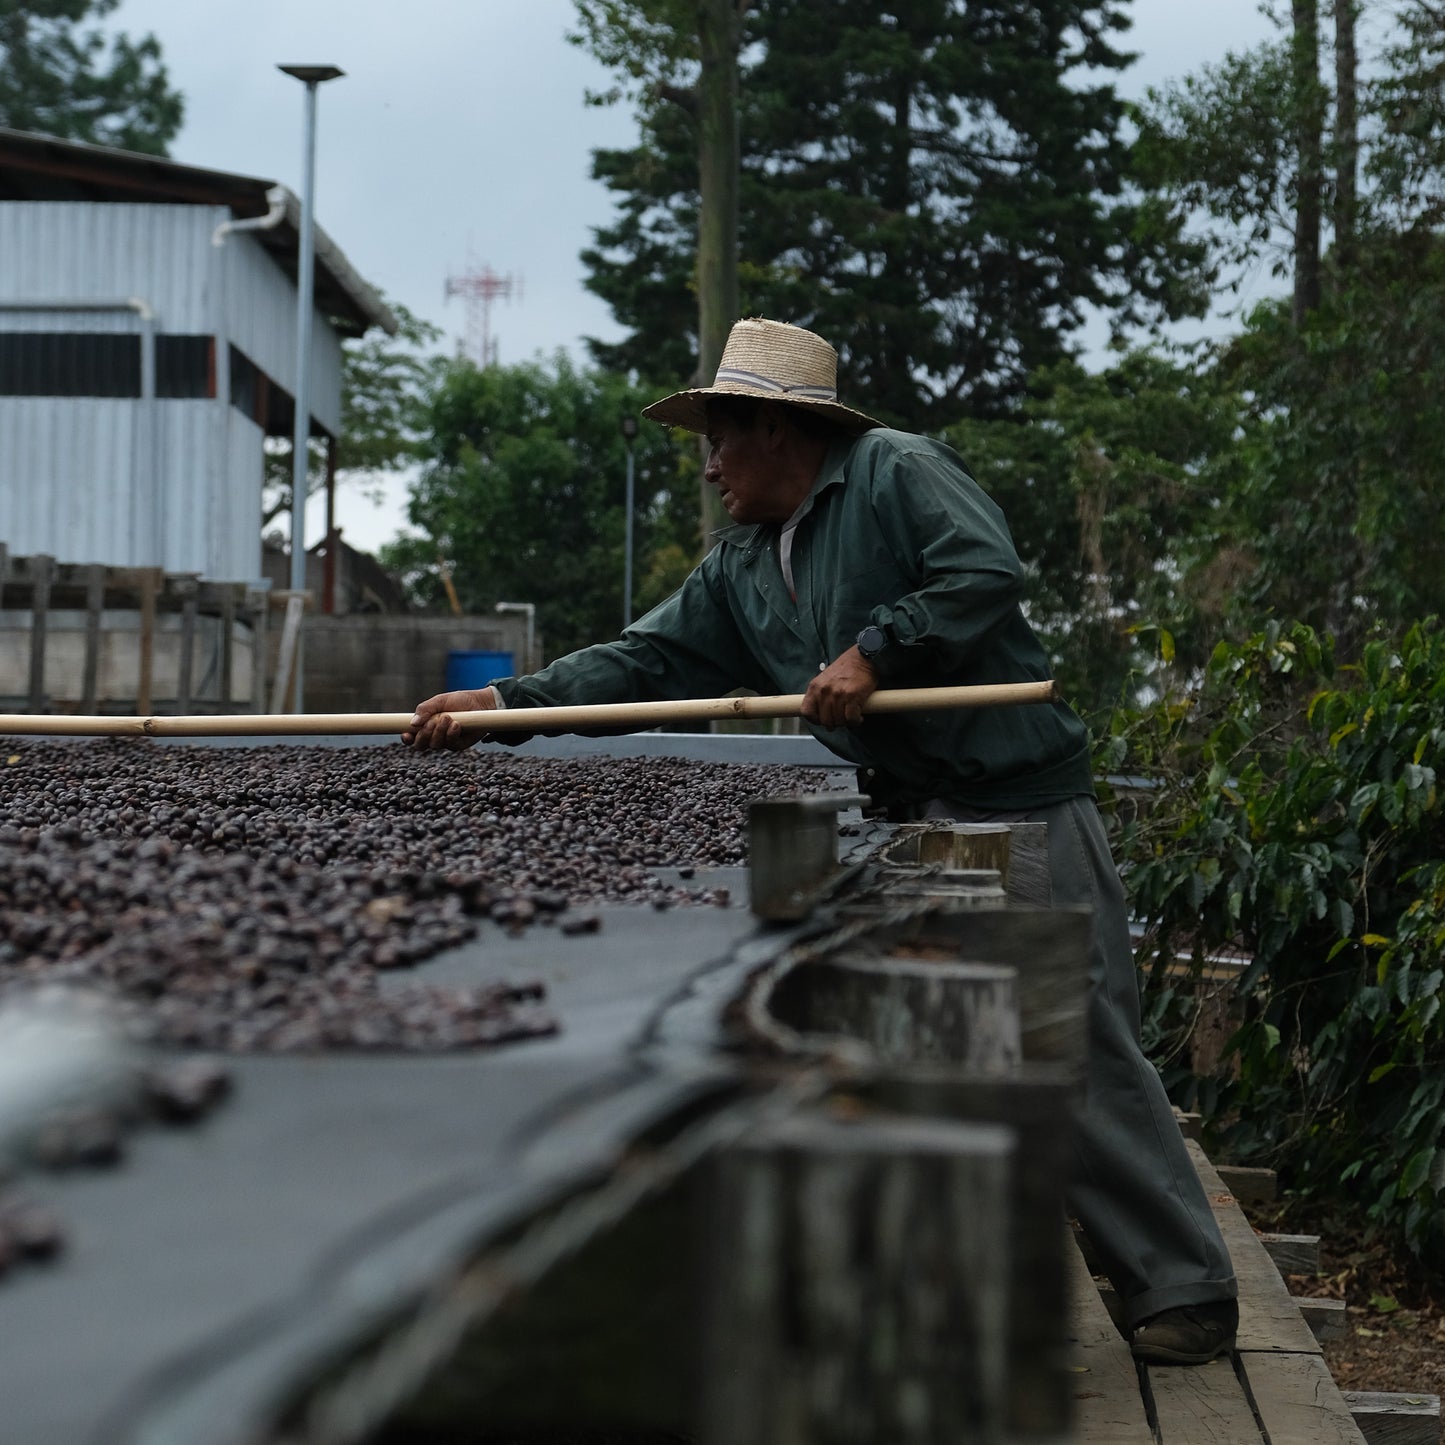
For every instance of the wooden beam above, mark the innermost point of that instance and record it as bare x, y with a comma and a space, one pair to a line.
1293, 1253
1269, 1320
94, 608
1248, 1185
41, 569
1326, 1317
149, 586
1200, 1405
1398, 1419
1108, 1409
1298, 1400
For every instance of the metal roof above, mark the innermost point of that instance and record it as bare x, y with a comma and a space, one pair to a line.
37, 167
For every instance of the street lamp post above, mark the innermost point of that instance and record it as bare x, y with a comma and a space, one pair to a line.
311, 76
629, 435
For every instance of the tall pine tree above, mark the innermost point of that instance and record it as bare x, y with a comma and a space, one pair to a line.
941, 189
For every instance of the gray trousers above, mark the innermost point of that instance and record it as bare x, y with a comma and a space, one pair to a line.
1134, 1190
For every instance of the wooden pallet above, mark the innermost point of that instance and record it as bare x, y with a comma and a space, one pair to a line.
1274, 1389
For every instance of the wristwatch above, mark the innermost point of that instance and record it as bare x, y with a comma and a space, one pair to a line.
871, 641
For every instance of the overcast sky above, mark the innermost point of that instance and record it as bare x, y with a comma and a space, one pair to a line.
459, 139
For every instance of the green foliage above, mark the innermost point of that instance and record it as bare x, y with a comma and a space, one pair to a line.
938, 189
384, 382
1106, 481
66, 81
1221, 143
1338, 472
1297, 815
522, 496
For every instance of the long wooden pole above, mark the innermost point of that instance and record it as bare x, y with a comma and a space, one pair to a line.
623, 716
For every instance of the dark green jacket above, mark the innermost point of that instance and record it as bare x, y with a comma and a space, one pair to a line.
894, 532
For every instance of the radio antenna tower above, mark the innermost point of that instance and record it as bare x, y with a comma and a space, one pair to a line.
479, 287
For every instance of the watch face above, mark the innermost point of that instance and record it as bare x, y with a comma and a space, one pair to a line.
871, 641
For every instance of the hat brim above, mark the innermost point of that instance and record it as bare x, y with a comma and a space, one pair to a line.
688, 409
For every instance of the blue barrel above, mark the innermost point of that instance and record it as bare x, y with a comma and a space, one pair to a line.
467, 671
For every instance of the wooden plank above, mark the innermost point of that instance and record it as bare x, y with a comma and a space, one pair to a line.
1268, 1318
1297, 1400
186, 587
41, 568
94, 606
281, 686
1108, 1408
258, 601
1386, 1419
1249, 1185
1326, 1317
1293, 1253
228, 628
149, 585
1201, 1405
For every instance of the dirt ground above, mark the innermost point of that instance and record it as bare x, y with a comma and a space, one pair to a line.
1395, 1336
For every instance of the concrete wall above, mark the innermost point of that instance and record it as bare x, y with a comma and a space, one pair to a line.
369, 663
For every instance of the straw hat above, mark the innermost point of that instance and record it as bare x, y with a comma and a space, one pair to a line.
772, 361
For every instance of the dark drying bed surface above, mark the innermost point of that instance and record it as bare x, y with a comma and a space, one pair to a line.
362, 1153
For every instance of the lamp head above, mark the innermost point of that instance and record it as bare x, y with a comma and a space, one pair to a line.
312, 74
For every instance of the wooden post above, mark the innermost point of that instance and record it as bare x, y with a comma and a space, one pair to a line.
856, 1284
281, 688
186, 586
228, 627
967, 845
909, 1010
259, 603
149, 581
333, 537
94, 608
41, 568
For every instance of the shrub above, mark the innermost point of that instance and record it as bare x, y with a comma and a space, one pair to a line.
1293, 812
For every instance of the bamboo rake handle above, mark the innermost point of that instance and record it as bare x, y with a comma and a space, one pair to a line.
622, 715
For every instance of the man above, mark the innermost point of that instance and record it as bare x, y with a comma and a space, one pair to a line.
863, 557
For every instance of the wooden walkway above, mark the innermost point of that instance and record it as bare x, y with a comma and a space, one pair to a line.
1273, 1390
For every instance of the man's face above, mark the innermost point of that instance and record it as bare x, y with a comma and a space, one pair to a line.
743, 467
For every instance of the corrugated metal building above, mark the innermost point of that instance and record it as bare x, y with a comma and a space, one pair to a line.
147, 349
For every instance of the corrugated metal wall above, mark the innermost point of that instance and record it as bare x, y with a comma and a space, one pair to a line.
168, 482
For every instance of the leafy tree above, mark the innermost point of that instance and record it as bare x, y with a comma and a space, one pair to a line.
384, 382
1297, 816
1334, 478
1108, 480
1340, 481
522, 493
934, 187
69, 81
657, 42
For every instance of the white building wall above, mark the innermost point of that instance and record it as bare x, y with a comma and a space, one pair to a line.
260, 311
166, 482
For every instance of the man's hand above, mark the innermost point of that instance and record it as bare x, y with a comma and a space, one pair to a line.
836, 696
434, 727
